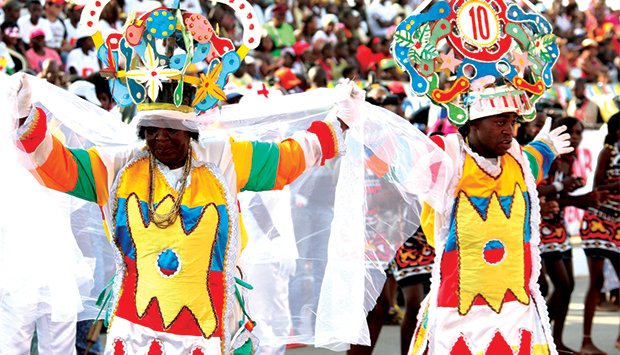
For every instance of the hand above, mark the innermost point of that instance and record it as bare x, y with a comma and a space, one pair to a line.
559, 140
20, 95
572, 183
596, 197
349, 98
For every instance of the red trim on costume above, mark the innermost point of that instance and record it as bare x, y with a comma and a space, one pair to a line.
460, 347
36, 132
326, 139
499, 346
448, 295
185, 323
119, 347
156, 348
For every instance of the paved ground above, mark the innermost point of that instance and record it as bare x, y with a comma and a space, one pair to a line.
605, 329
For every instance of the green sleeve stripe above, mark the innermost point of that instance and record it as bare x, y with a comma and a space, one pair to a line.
85, 184
265, 159
533, 164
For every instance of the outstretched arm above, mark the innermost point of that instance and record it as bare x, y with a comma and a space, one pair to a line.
264, 166
545, 148
78, 172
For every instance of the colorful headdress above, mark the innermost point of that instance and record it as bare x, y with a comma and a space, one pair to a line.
501, 56
147, 62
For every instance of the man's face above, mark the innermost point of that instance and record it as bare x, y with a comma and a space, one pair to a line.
168, 145
35, 12
37, 42
53, 9
492, 136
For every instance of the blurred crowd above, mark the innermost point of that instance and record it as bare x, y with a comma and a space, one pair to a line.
305, 44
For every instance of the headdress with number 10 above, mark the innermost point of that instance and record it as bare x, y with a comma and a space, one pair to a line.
146, 63
500, 55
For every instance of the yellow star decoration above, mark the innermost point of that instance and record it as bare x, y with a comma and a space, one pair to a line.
208, 86
187, 288
476, 276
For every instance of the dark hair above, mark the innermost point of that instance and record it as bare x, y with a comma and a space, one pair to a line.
613, 124
166, 94
32, 2
101, 84
142, 133
7, 24
567, 121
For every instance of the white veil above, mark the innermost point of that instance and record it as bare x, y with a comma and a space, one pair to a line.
331, 233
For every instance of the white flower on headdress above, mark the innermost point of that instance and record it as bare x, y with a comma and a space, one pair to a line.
540, 47
419, 43
151, 73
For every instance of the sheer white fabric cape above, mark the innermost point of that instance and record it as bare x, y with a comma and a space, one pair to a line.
331, 233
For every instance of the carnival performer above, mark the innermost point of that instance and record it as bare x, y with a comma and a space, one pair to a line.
556, 249
44, 276
600, 232
484, 298
169, 203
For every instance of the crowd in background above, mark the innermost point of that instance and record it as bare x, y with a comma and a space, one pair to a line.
309, 44
305, 44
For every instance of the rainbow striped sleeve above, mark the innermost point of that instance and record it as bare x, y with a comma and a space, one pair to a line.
262, 166
540, 155
78, 172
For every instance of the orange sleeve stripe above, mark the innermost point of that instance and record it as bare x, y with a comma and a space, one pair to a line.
60, 162
292, 163
100, 174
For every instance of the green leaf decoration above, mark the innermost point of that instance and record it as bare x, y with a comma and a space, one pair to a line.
423, 33
545, 56
404, 38
414, 56
429, 52
548, 39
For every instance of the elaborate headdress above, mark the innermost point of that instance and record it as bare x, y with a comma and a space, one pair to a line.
147, 62
501, 56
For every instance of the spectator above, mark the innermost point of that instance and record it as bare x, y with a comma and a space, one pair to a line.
381, 16
587, 61
582, 108
33, 21
82, 61
281, 32
318, 78
58, 38
287, 80
110, 19
15, 47
12, 10
38, 52
369, 57
52, 73
74, 12
352, 21
327, 31
307, 29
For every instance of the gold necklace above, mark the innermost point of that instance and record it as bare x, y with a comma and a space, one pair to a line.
168, 218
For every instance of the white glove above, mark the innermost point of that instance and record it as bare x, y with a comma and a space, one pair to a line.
349, 98
20, 96
558, 139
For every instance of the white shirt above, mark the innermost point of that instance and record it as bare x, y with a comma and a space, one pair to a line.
72, 32
58, 34
25, 27
383, 11
84, 64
